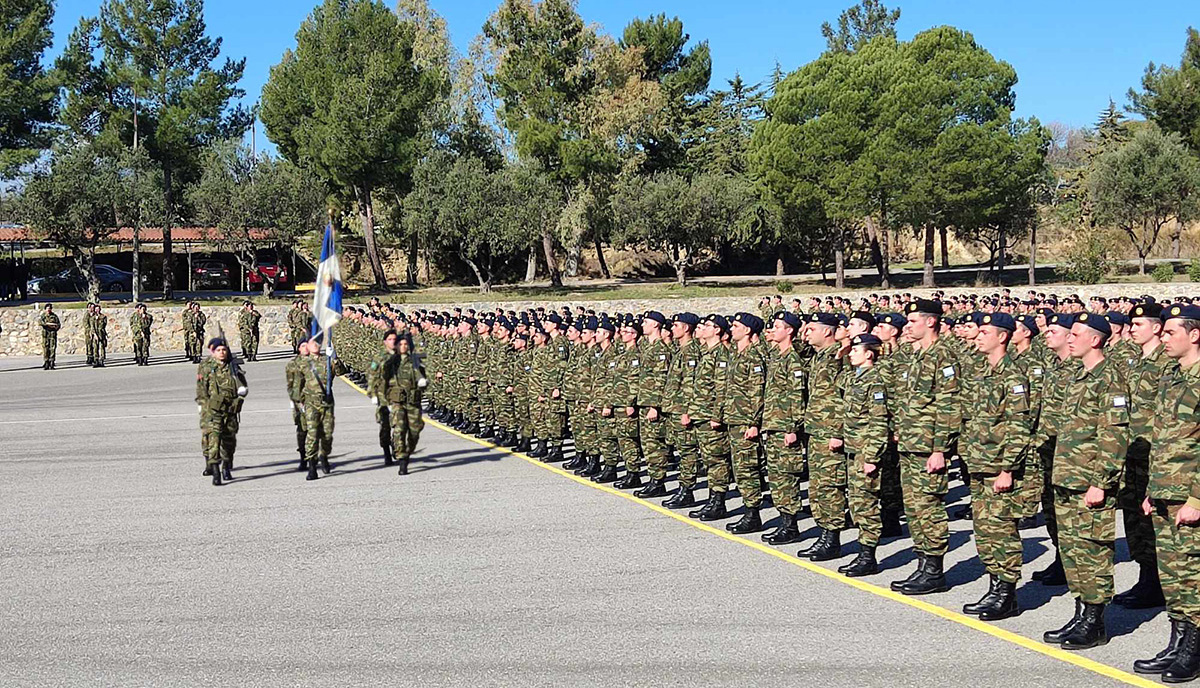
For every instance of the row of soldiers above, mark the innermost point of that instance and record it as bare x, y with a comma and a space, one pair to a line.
1081, 412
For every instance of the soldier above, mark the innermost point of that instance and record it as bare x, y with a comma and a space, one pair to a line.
823, 425
655, 366
317, 403
191, 347
549, 362
504, 376
619, 420
1145, 364
1088, 462
927, 423
864, 440
199, 320
50, 326
1173, 499
139, 327
678, 394
99, 336
784, 402
742, 410
403, 379
293, 374
585, 423
996, 447
248, 331
375, 374
89, 340
705, 411
219, 400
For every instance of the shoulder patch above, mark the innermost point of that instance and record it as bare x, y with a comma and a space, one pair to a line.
722, 364
758, 369
880, 396
1119, 401
1018, 389
948, 372
797, 373
1037, 371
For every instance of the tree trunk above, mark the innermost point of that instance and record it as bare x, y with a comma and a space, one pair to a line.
367, 209
779, 268
945, 248
531, 264
1141, 263
137, 258
485, 283
927, 277
1033, 255
1176, 235
85, 262
167, 268
414, 252
839, 262
600, 257
877, 252
551, 263
680, 264
1000, 255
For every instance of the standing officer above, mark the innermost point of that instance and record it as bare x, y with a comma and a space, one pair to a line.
50, 326
823, 425
1088, 463
655, 365
621, 408
742, 412
996, 448
100, 335
403, 379
248, 331
705, 410
680, 391
927, 424
783, 425
199, 320
375, 373
139, 327
1173, 499
191, 348
219, 399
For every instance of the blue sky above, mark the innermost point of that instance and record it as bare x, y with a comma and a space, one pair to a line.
1071, 56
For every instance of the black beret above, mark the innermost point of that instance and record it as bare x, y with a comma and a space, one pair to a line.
828, 319
689, 319
1096, 322
790, 319
868, 340
865, 317
1065, 320
591, 323
607, 324
894, 319
750, 321
1186, 312
1002, 320
925, 307
656, 317
1117, 318
719, 321
217, 341
1028, 322
1147, 310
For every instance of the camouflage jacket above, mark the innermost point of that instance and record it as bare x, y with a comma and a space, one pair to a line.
1035, 372
546, 376
139, 324
1175, 443
712, 373
218, 393
865, 428
1059, 373
681, 377
655, 370
375, 371
743, 400
398, 380
50, 323
1142, 377
823, 415
100, 327
786, 392
1094, 432
312, 385
604, 375
292, 373
996, 434
248, 321
927, 411
971, 364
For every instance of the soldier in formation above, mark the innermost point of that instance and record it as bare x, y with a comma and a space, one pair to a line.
247, 323
221, 389
139, 328
50, 325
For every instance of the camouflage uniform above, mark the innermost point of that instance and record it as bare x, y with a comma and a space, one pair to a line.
375, 374
705, 406
655, 365
742, 409
865, 433
1142, 375
139, 327
547, 376
1058, 376
400, 389
100, 336
220, 404
318, 406
783, 413
618, 391
248, 331
1092, 441
50, 325
293, 372
823, 422
678, 394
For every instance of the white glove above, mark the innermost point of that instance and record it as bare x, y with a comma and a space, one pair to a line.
292, 405
199, 408
422, 383
375, 400
241, 391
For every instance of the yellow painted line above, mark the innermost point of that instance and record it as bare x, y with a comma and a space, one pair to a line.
887, 593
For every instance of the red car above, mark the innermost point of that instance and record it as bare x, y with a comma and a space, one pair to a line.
263, 270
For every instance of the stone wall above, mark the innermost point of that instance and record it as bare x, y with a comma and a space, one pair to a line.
22, 335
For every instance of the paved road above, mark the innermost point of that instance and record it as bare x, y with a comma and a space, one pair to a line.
123, 566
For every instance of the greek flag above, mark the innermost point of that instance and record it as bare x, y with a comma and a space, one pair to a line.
327, 296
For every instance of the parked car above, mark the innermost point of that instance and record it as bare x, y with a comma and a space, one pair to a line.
211, 274
72, 280
269, 268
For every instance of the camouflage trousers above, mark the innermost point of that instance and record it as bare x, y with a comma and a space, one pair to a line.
714, 451
218, 437
141, 346
654, 443
785, 467
1139, 528
318, 421
684, 442
1087, 543
249, 344
1045, 453
583, 428
406, 426
994, 517
521, 407
301, 431
1178, 561
49, 346
506, 410
383, 416
297, 335
191, 345
863, 492
551, 419
96, 349
747, 471
619, 440
485, 404
826, 484
924, 507
891, 496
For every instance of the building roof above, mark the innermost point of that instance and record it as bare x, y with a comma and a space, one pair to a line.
12, 233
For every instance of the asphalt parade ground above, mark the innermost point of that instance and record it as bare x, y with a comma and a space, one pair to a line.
121, 565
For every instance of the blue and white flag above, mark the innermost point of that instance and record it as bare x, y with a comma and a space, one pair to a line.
327, 296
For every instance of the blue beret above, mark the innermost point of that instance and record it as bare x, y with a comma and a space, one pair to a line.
591, 323
607, 324
1094, 321
1002, 320
894, 319
470, 321
689, 319
1028, 322
1062, 320
1117, 318
1147, 310
719, 321
1184, 311
828, 319
866, 340
925, 307
790, 319
217, 341
750, 321
842, 320
656, 317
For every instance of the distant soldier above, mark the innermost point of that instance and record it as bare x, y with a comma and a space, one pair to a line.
248, 331
50, 326
403, 381
296, 333
199, 320
89, 340
191, 348
220, 392
139, 328
99, 336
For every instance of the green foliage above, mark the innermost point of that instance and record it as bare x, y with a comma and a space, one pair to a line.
1193, 270
858, 25
1170, 96
1163, 272
27, 92
784, 286
1088, 261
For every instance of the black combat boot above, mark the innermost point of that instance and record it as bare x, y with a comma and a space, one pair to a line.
1057, 635
312, 471
863, 565
1186, 666
718, 511
707, 507
1089, 632
403, 461
541, 450
932, 578
1159, 662
555, 455
827, 547
226, 469
216, 475
523, 446
578, 461
387, 455
655, 488
303, 464
207, 470
1146, 593
1052, 574
683, 498
974, 608
1004, 604
607, 475
891, 524
631, 480
487, 433
896, 585
787, 532
503, 439
325, 464
593, 467
750, 522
